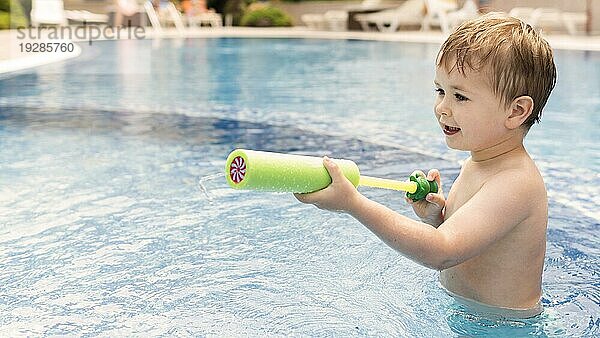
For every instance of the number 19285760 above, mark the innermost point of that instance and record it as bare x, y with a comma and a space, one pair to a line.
47, 47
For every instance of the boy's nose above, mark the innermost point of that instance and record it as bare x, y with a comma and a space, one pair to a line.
441, 109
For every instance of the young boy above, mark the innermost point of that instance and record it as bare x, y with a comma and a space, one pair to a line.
494, 75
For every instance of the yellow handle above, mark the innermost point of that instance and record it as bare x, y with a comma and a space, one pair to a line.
384, 183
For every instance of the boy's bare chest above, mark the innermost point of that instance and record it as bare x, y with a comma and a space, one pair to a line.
467, 184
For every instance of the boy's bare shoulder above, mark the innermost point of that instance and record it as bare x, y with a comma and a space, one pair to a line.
519, 178
515, 178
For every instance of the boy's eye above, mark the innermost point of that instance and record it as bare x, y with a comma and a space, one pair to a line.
460, 97
439, 91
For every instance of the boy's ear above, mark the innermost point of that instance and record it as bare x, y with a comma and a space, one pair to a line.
520, 109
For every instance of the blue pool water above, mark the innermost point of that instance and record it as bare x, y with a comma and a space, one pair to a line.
104, 229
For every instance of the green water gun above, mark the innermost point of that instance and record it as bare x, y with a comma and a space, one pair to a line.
267, 171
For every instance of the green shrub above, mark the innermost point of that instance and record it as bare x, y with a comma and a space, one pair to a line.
11, 14
267, 16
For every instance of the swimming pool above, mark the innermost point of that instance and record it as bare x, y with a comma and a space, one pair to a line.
104, 228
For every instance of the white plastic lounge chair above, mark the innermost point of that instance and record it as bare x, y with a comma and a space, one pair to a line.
336, 20
437, 14
198, 14
314, 21
48, 12
127, 8
166, 15
550, 18
210, 18
522, 13
468, 11
153, 16
85, 16
52, 12
332, 20
389, 20
573, 19
170, 14
366, 4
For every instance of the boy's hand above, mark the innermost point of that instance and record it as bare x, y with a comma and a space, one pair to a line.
430, 209
340, 195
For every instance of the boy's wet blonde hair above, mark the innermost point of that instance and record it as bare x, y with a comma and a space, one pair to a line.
518, 59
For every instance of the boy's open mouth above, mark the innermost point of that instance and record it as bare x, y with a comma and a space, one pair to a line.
450, 130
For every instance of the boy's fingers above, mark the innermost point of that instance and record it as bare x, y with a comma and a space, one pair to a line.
299, 197
305, 198
310, 198
418, 173
433, 174
334, 170
436, 199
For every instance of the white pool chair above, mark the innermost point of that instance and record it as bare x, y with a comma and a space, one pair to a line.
166, 15
153, 17
366, 4
336, 20
389, 20
128, 8
572, 20
522, 13
468, 11
314, 21
546, 18
85, 16
48, 12
551, 18
202, 19
437, 14
52, 12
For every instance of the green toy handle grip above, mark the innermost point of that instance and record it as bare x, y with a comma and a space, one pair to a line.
424, 186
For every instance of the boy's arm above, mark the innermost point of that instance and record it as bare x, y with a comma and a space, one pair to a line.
500, 204
487, 217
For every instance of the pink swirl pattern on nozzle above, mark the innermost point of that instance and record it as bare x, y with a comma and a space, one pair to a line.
237, 169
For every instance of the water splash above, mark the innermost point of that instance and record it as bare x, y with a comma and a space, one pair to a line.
202, 184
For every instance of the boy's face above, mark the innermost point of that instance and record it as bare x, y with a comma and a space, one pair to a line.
469, 113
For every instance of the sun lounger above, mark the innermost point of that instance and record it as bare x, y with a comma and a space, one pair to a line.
331, 20
314, 21
437, 14
408, 14
572, 20
48, 12
203, 19
165, 15
550, 18
335, 20
85, 16
522, 13
52, 12
468, 11
198, 14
